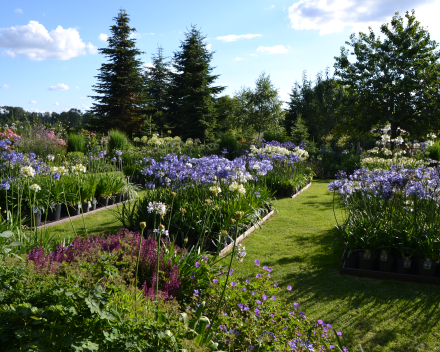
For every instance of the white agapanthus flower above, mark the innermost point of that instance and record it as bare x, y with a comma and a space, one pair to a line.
215, 189
301, 153
237, 187
35, 187
77, 169
27, 171
157, 207
50, 157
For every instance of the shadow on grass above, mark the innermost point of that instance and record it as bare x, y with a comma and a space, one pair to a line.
348, 300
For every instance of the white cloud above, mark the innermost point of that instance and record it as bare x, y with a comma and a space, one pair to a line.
6, 86
149, 64
32, 102
208, 47
233, 37
92, 49
330, 16
59, 86
103, 37
270, 7
56, 104
134, 35
277, 49
18, 11
254, 55
77, 87
34, 42
239, 58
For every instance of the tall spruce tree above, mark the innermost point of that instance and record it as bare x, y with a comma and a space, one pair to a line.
192, 92
158, 79
122, 99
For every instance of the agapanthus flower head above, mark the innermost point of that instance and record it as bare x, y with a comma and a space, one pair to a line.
35, 187
27, 171
157, 208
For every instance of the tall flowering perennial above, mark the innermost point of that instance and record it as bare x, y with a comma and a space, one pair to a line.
407, 154
397, 208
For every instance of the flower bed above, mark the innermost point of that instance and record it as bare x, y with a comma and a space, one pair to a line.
392, 219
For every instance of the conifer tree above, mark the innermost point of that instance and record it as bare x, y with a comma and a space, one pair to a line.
192, 93
122, 99
158, 82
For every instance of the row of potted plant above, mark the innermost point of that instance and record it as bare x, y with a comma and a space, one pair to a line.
392, 219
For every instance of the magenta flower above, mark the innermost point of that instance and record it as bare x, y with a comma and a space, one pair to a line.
197, 264
258, 276
289, 288
257, 262
233, 284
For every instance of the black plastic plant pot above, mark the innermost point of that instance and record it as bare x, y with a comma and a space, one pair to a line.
367, 260
103, 201
386, 262
351, 260
74, 210
111, 200
85, 207
118, 198
404, 265
55, 213
427, 267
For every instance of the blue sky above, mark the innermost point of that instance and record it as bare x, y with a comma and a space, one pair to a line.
48, 49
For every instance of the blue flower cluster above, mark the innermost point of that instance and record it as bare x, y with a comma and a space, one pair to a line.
422, 183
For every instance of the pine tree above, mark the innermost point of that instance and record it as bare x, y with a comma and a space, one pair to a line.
121, 100
158, 83
192, 92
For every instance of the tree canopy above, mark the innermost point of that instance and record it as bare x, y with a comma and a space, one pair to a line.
395, 80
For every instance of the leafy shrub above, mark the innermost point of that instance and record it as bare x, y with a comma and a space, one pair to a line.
228, 145
279, 136
76, 143
63, 313
118, 141
434, 151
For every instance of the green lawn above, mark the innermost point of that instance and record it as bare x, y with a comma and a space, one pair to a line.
378, 315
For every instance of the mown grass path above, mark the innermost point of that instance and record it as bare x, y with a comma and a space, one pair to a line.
379, 315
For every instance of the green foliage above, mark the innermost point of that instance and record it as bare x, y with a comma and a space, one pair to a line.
393, 80
266, 112
434, 151
7, 246
118, 141
278, 135
300, 131
316, 105
44, 312
230, 143
76, 143
121, 98
158, 78
192, 92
